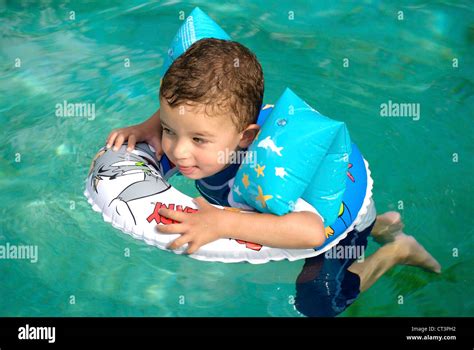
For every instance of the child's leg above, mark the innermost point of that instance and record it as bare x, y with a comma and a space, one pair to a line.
328, 285
402, 249
386, 227
324, 287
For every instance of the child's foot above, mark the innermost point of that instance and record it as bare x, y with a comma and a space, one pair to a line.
387, 227
410, 252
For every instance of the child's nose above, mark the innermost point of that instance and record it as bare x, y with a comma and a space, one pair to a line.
181, 150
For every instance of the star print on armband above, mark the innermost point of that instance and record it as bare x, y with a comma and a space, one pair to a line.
259, 169
263, 198
329, 231
245, 180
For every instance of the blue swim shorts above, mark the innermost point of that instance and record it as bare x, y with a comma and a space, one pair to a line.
325, 288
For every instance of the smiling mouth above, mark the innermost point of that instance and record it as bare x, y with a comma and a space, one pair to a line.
187, 169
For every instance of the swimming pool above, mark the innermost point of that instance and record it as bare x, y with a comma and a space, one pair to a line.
348, 60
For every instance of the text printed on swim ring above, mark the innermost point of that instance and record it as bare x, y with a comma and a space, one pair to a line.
164, 220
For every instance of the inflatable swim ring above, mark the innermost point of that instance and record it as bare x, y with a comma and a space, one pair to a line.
129, 188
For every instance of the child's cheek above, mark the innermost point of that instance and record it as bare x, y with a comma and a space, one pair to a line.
165, 144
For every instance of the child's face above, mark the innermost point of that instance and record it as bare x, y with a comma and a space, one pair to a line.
197, 143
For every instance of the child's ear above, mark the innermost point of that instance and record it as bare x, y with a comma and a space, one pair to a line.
248, 135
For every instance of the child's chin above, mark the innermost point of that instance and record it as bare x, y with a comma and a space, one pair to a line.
194, 176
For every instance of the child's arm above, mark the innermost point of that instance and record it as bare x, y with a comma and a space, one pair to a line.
148, 131
297, 230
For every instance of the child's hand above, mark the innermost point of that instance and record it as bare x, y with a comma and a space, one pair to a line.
134, 134
196, 229
149, 131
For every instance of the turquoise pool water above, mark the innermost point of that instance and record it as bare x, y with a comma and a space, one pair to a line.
87, 268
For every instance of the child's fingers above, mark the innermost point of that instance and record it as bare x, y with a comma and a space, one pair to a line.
178, 242
192, 248
111, 138
119, 142
172, 214
132, 140
171, 228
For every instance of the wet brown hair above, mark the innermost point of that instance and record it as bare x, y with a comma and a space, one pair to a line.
223, 75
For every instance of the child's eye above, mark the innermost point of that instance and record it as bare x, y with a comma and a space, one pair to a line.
168, 131
199, 140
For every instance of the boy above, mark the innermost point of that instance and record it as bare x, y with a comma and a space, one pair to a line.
210, 98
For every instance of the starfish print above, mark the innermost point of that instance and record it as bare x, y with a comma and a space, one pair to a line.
245, 180
259, 169
263, 198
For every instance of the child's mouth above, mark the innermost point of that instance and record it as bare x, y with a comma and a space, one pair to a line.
187, 170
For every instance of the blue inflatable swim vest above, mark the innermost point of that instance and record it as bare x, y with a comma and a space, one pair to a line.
358, 191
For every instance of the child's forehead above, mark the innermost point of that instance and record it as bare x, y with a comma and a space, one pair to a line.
198, 117
195, 108
205, 110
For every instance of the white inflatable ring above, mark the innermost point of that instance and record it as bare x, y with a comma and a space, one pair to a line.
128, 188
